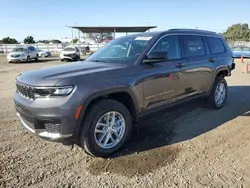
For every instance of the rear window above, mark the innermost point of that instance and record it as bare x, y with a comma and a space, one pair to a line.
216, 45
193, 46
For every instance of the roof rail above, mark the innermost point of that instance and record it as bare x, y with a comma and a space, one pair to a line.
195, 30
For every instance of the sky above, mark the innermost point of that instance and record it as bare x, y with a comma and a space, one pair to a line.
47, 19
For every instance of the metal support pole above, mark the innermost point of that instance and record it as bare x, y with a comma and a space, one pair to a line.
114, 33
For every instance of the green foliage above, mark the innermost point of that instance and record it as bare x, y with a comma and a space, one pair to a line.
43, 41
29, 40
74, 41
99, 37
8, 40
55, 41
237, 32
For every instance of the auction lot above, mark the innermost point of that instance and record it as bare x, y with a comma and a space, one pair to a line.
186, 146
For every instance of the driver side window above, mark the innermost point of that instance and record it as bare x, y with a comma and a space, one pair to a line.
170, 45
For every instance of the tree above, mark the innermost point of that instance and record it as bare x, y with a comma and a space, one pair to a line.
74, 41
99, 37
8, 40
237, 32
43, 41
29, 40
55, 41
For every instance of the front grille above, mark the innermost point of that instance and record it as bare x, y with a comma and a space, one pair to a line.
15, 56
52, 128
25, 91
70, 55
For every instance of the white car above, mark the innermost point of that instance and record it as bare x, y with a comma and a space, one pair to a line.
23, 54
70, 53
43, 53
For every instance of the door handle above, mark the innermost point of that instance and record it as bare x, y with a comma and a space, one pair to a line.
212, 60
180, 65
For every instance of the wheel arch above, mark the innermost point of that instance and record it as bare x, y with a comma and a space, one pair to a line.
114, 93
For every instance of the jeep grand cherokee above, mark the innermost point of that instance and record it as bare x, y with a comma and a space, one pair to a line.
94, 103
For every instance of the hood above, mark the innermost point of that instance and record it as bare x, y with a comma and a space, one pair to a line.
52, 75
17, 53
68, 52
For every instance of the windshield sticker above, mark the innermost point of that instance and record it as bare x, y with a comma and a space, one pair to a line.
143, 38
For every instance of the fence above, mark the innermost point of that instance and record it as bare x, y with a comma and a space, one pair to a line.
238, 43
6, 48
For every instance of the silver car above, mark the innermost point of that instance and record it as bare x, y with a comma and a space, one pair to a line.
23, 54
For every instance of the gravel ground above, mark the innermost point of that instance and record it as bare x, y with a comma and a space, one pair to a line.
185, 146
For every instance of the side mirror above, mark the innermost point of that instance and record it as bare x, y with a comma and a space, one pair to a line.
156, 56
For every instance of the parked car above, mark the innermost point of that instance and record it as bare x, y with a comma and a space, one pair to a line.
70, 53
241, 51
94, 104
43, 53
23, 54
59, 50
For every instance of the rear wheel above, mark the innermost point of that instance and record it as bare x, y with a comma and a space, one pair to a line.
106, 128
28, 59
37, 58
218, 94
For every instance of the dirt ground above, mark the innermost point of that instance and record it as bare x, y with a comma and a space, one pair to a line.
186, 146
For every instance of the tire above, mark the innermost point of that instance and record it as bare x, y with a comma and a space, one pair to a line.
88, 136
37, 58
212, 98
28, 59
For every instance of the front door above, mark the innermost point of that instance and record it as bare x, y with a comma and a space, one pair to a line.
166, 80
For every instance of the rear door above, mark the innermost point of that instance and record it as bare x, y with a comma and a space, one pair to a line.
199, 64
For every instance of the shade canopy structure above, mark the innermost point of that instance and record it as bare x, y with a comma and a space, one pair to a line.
109, 29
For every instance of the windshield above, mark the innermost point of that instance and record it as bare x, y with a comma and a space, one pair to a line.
19, 50
121, 50
69, 49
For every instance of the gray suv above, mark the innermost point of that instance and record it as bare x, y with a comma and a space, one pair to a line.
94, 103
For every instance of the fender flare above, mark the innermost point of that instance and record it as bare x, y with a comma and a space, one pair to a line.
215, 75
85, 104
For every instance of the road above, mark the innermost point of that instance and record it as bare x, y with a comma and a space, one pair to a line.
185, 146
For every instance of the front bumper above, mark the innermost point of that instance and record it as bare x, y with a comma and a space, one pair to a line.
19, 59
49, 118
70, 57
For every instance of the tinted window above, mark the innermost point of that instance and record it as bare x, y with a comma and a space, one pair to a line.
216, 45
193, 46
236, 49
170, 45
246, 49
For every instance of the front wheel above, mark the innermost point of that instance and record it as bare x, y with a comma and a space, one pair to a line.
37, 58
28, 59
106, 128
218, 94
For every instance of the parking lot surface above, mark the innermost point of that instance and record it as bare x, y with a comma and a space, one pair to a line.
185, 146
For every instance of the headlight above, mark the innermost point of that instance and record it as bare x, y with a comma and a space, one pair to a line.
52, 91
23, 55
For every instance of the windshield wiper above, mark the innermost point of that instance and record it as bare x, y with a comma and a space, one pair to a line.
103, 61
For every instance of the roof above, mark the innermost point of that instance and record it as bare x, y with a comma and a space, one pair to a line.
109, 29
194, 31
